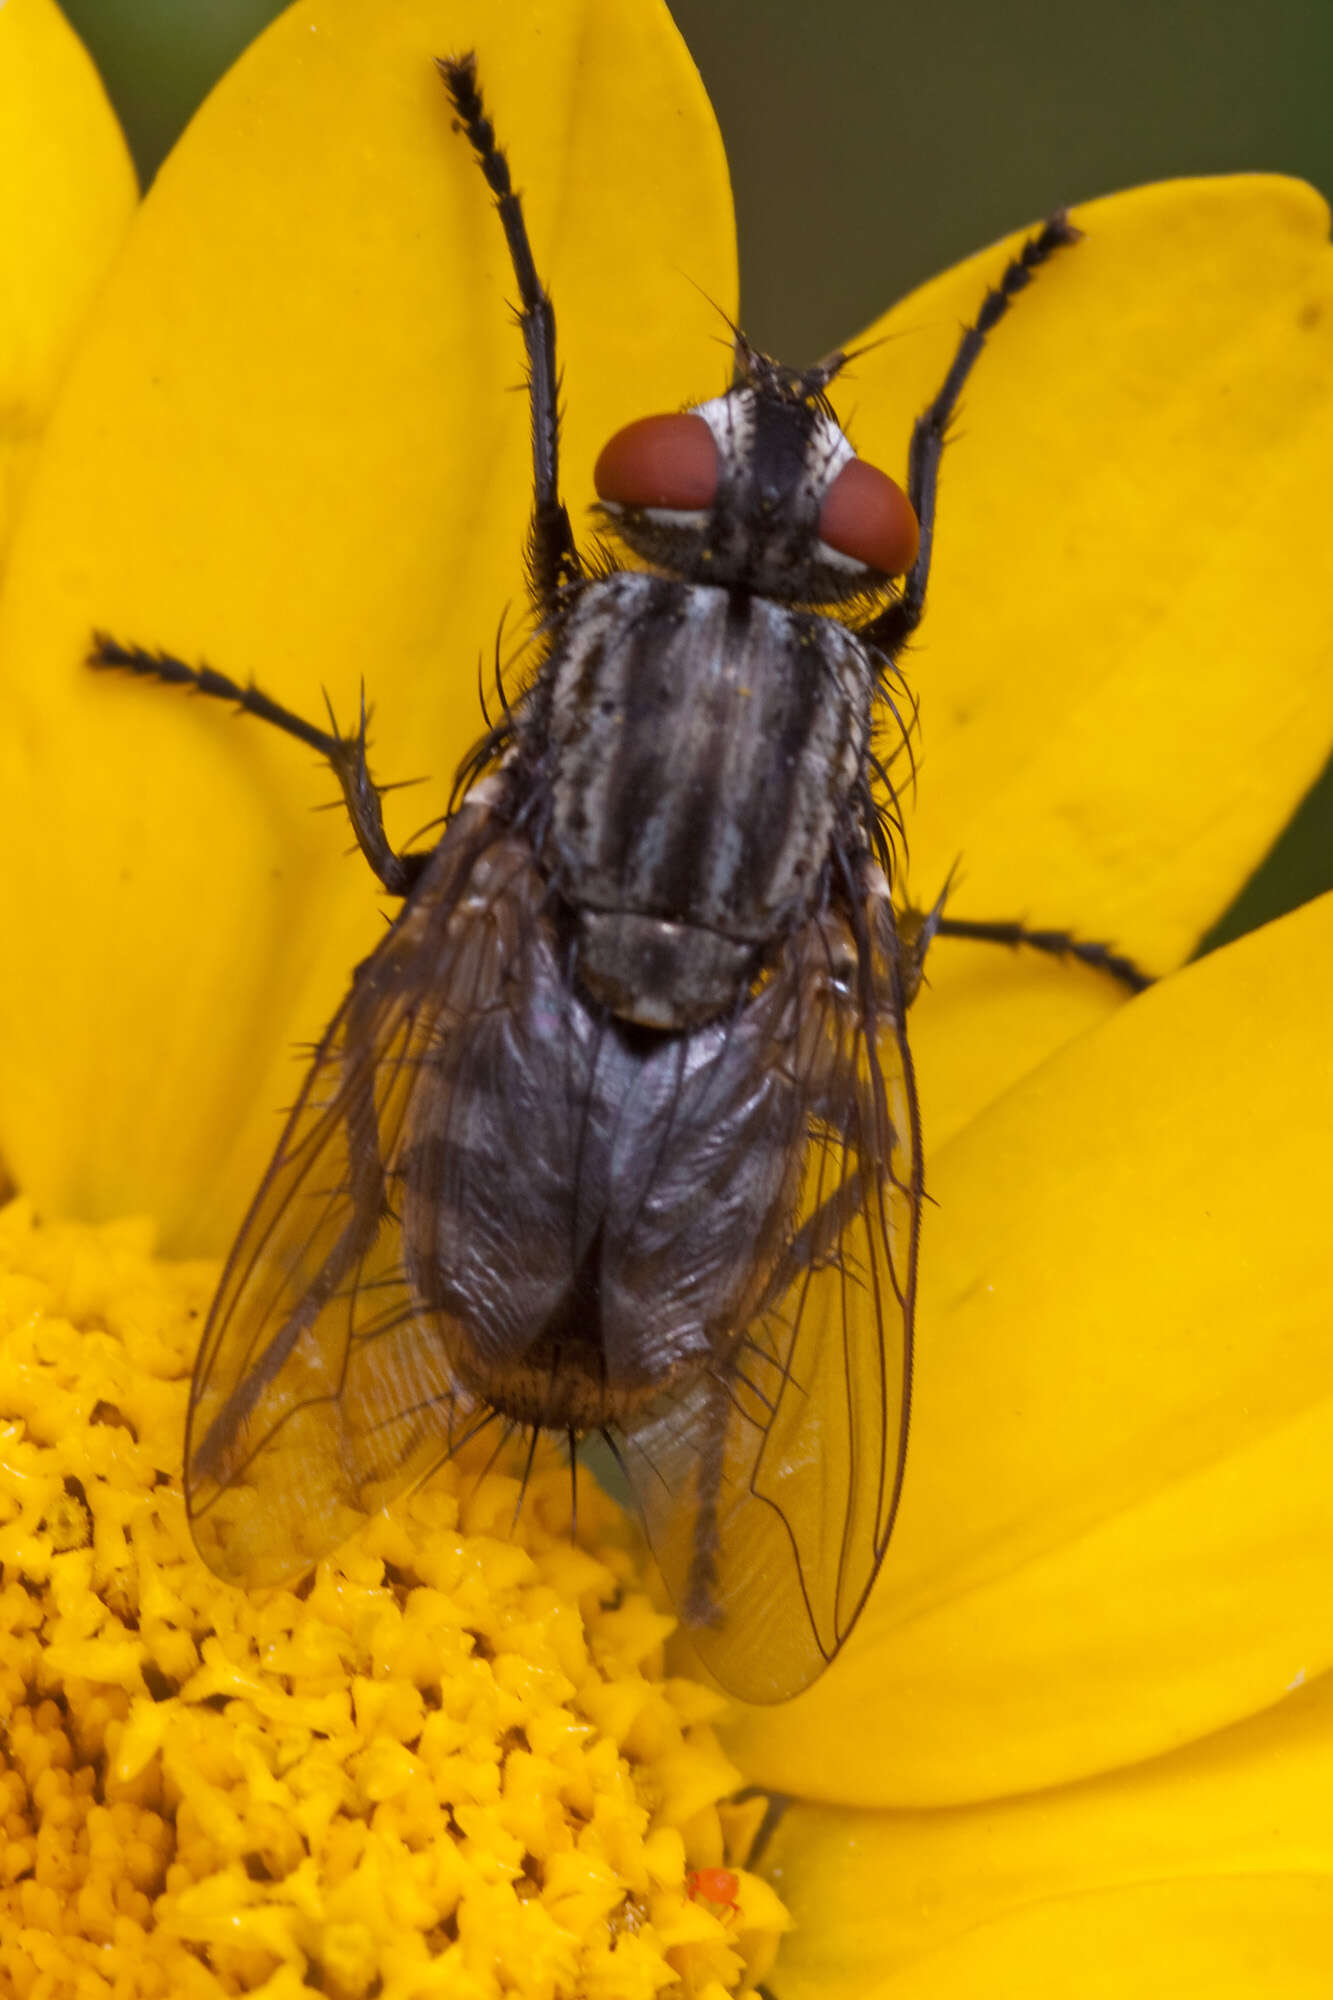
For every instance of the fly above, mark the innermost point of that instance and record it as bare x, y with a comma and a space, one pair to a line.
616, 1133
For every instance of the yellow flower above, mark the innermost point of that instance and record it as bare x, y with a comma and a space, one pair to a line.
1079, 1740
453, 1765
449, 1764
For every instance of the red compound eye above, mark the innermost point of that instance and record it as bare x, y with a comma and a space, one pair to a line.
659, 462
868, 517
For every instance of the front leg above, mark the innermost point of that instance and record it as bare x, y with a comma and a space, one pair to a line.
1056, 944
552, 557
918, 929
346, 755
896, 624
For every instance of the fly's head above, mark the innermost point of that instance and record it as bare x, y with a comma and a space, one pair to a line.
758, 489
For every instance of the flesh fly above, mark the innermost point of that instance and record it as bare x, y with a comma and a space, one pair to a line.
616, 1133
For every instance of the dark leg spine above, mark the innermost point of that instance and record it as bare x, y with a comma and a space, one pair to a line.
1056, 944
895, 625
346, 755
552, 557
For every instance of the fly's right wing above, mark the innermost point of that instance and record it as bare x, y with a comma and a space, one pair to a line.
769, 1485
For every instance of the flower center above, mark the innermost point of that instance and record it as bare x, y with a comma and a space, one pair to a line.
452, 1742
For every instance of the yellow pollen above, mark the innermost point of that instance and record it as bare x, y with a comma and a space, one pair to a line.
448, 1764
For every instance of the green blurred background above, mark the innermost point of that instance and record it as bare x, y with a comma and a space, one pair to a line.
871, 145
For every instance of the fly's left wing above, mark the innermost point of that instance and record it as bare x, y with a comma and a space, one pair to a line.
320, 1391
768, 1486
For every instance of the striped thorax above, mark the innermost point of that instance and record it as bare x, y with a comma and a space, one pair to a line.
704, 731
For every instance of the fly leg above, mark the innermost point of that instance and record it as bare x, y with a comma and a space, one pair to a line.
917, 930
700, 1606
553, 561
901, 618
1056, 944
346, 755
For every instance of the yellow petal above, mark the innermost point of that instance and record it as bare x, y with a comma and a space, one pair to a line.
1209, 1872
987, 1015
1123, 671
1111, 723
291, 446
1116, 1520
67, 192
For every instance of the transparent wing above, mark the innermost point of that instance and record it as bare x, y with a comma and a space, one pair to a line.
319, 1391
768, 1486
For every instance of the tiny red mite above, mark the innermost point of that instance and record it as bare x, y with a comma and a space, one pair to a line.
721, 1886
